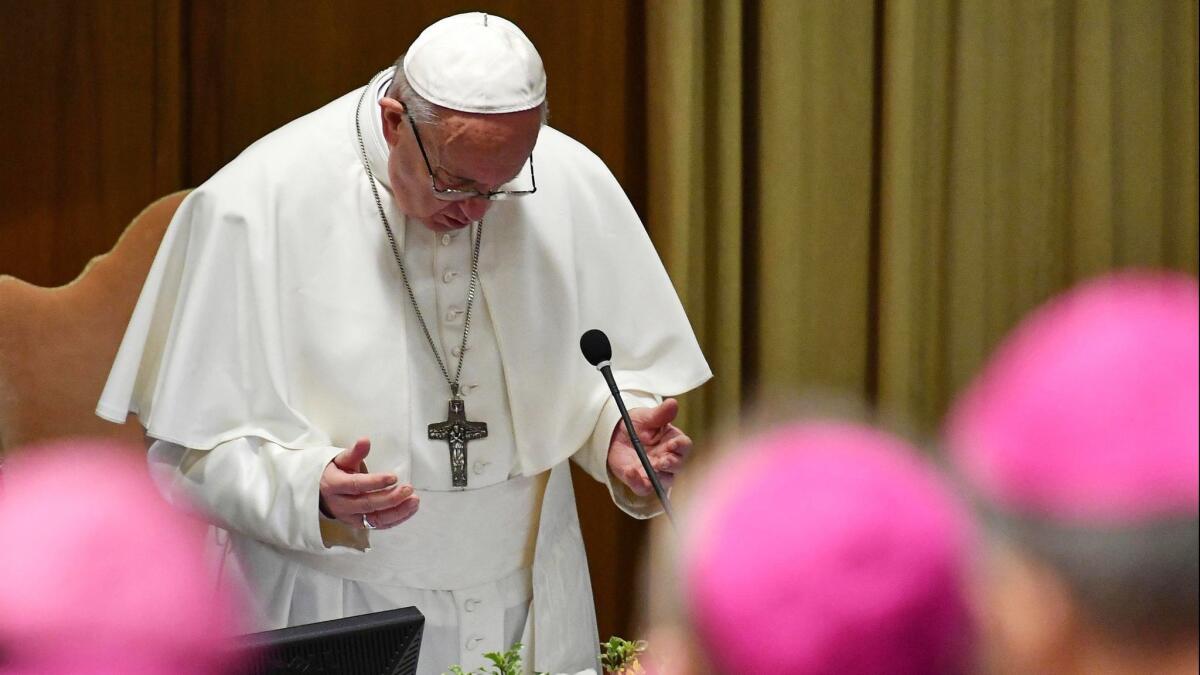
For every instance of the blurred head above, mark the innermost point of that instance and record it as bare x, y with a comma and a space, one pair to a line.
470, 92
821, 548
99, 575
1081, 442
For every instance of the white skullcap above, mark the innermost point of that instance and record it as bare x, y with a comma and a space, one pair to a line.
477, 63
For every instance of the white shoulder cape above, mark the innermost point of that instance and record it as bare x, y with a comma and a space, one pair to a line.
274, 308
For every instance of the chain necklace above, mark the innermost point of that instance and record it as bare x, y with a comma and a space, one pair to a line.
456, 430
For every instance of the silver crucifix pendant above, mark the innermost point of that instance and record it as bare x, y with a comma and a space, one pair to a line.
456, 431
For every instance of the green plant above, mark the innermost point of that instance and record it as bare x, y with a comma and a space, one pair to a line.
620, 656
503, 663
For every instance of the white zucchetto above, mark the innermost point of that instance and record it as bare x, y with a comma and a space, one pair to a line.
477, 63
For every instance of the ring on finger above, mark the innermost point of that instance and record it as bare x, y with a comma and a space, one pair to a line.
367, 523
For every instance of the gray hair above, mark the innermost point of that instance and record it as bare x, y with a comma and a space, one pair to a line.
1139, 583
423, 110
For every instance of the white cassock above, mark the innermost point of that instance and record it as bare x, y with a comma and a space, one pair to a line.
274, 330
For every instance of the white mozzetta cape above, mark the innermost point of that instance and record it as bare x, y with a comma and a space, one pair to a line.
273, 321
274, 308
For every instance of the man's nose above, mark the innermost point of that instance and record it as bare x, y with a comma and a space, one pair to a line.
475, 207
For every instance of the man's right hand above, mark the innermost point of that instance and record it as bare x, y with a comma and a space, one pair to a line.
350, 494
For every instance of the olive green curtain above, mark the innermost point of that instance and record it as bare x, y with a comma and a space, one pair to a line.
861, 197
695, 169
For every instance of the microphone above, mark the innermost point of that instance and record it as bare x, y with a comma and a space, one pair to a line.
598, 351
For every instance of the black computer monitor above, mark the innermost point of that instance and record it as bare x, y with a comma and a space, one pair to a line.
384, 643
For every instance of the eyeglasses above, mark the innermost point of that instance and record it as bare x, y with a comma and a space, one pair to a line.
454, 195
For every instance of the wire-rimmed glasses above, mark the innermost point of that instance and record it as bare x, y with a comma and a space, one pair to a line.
453, 194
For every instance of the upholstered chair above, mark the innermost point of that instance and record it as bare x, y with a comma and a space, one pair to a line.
57, 344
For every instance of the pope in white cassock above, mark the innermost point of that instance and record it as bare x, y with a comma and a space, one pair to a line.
323, 310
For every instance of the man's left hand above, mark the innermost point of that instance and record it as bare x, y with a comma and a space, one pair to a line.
666, 447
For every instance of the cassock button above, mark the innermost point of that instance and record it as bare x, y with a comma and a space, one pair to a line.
479, 467
446, 239
450, 275
452, 314
473, 642
457, 351
471, 604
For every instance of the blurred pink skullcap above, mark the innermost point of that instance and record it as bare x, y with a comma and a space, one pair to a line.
828, 548
1088, 411
99, 574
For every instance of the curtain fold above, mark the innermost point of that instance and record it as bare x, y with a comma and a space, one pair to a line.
862, 197
1026, 146
695, 168
813, 158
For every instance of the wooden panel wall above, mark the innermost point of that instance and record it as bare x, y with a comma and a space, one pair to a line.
257, 65
89, 94
106, 105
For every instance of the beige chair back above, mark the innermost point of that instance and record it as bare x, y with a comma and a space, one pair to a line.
57, 344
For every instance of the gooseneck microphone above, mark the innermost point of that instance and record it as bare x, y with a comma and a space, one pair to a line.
598, 351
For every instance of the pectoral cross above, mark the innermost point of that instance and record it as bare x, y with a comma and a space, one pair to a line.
456, 431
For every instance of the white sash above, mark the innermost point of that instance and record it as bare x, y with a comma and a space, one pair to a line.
456, 540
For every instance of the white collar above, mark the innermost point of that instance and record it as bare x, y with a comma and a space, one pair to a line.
372, 127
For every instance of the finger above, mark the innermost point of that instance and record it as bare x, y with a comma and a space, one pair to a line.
651, 424
353, 484
678, 444
665, 457
666, 478
382, 520
396, 515
668, 464
380, 500
635, 479
351, 459
653, 419
351, 519
351, 508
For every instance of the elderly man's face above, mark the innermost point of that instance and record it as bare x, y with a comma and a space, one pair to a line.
467, 152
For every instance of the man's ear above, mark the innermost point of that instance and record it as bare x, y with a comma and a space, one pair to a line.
394, 118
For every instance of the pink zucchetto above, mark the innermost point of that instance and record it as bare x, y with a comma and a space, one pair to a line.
99, 575
1087, 413
828, 549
